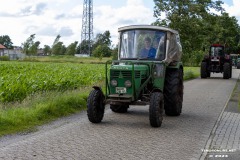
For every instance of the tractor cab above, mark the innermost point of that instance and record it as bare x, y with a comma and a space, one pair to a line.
217, 51
142, 44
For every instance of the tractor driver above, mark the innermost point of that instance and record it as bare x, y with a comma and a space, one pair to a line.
148, 51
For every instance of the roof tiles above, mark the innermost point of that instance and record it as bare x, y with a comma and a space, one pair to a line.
2, 46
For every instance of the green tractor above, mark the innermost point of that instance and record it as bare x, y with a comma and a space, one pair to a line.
148, 71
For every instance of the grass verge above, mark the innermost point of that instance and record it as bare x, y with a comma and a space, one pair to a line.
40, 109
191, 72
238, 93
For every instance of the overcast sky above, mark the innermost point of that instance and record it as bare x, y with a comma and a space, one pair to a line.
48, 18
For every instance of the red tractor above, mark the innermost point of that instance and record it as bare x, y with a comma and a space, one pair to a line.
217, 61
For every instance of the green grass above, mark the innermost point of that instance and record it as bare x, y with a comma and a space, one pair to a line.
44, 107
237, 87
191, 72
40, 109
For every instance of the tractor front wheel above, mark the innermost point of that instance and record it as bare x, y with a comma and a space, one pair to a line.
119, 108
95, 106
156, 109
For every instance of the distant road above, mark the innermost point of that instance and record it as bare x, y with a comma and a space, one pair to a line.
130, 136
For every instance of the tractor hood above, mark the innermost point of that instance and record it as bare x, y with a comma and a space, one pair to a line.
126, 71
129, 67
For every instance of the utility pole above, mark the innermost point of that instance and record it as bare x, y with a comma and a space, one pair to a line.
87, 28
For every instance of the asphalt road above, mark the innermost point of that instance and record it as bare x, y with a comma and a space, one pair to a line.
130, 136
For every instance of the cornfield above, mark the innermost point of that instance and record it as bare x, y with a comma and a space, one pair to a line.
21, 79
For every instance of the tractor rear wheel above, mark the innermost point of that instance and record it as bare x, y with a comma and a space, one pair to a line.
208, 74
156, 109
226, 71
119, 108
204, 73
173, 92
95, 106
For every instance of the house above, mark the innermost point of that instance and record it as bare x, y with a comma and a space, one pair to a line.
2, 48
13, 54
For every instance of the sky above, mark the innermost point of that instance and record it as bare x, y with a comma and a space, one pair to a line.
47, 18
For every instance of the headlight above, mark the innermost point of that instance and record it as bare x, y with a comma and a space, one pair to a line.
114, 83
128, 83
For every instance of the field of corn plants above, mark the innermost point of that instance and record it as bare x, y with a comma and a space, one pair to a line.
21, 79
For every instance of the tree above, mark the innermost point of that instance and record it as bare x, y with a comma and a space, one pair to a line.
71, 49
46, 49
56, 40
34, 48
29, 46
197, 24
102, 39
63, 49
102, 45
84, 47
57, 49
102, 51
115, 53
6, 41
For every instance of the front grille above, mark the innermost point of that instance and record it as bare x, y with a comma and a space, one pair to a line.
124, 74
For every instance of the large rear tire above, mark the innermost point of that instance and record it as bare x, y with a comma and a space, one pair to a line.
208, 74
95, 106
156, 109
119, 108
204, 73
226, 71
173, 92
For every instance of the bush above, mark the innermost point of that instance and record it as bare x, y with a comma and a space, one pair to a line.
4, 58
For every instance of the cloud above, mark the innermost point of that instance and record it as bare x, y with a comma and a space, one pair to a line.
60, 16
233, 9
109, 18
65, 31
37, 9
47, 19
5, 14
47, 31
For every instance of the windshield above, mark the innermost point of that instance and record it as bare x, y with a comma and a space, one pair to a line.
142, 44
216, 51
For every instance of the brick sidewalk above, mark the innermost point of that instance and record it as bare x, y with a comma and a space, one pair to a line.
225, 143
228, 132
